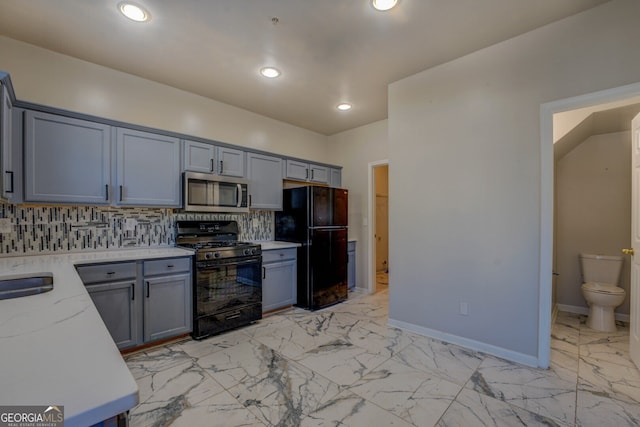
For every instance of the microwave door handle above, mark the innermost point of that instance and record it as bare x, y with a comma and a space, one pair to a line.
239, 195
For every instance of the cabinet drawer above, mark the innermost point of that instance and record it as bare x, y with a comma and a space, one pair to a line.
275, 255
166, 266
97, 273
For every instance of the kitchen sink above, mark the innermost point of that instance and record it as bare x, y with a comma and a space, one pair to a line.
16, 287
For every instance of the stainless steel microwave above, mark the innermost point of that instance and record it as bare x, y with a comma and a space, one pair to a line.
204, 192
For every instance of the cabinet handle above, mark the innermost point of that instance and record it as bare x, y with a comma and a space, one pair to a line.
133, 292
110, 273
170, 266
264, 273
148, 286
306, 174
121, 193
11, 186
106, 191
311, 173
212, 165
233, 316
221, 169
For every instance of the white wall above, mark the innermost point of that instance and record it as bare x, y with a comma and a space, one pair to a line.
465, 175
593, 188
355, 149
49, 78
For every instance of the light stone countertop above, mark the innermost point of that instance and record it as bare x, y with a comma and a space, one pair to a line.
54, 347
275, 244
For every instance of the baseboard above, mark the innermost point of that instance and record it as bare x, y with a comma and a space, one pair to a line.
576, 309
503, 353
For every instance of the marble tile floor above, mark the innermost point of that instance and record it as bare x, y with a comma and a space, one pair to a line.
343, 366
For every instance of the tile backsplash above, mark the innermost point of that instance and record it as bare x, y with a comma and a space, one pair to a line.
31, 230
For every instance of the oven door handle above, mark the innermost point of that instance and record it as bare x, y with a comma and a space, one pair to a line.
218, 264
239, 195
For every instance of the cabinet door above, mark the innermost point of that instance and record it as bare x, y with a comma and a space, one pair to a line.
66, 160
265, 182
116, 304
297, 170
148, 169
167, 306
7, 174
336, 178
230, 162
278, 285
319, 174
198, 156
351, 265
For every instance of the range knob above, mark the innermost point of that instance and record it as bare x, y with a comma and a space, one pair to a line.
216, 254
208, 255
253, 251
246, 252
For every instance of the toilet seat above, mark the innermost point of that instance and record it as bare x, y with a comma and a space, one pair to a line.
603, 288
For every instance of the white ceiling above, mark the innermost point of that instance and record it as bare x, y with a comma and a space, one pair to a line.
329, 51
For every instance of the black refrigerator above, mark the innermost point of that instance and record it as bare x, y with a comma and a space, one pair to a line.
316, 217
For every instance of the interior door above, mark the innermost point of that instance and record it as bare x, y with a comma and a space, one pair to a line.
634, 338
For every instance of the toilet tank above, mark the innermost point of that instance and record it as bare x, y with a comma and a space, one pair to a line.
601, 268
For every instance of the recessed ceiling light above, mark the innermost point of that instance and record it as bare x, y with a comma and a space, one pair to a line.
134, 11
270, 72
345, 106
384, 4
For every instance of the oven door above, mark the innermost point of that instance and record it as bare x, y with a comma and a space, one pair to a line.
227, 285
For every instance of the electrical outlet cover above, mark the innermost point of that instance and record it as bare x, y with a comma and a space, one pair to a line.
5, 225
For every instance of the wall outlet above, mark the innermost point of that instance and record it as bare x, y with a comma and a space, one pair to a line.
5, 225
130, 224
464, 308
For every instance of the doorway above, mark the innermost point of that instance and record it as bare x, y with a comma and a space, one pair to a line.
381, 178
621, 95
378, 234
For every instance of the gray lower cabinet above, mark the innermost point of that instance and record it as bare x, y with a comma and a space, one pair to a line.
351, 264
168, 298
140, 308
278, 278
66, 160
148, 169
265, 181
112, 288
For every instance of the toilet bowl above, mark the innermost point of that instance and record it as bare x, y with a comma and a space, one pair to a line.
601, 276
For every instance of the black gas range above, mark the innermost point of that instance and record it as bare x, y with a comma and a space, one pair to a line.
227, 291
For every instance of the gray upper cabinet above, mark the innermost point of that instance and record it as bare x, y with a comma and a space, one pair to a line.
208, 158
310, 172
198, 156
335, 178
66, 160
265, 181
7, 172
231, 162
148, 169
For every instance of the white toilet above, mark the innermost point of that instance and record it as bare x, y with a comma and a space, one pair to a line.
601, 277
